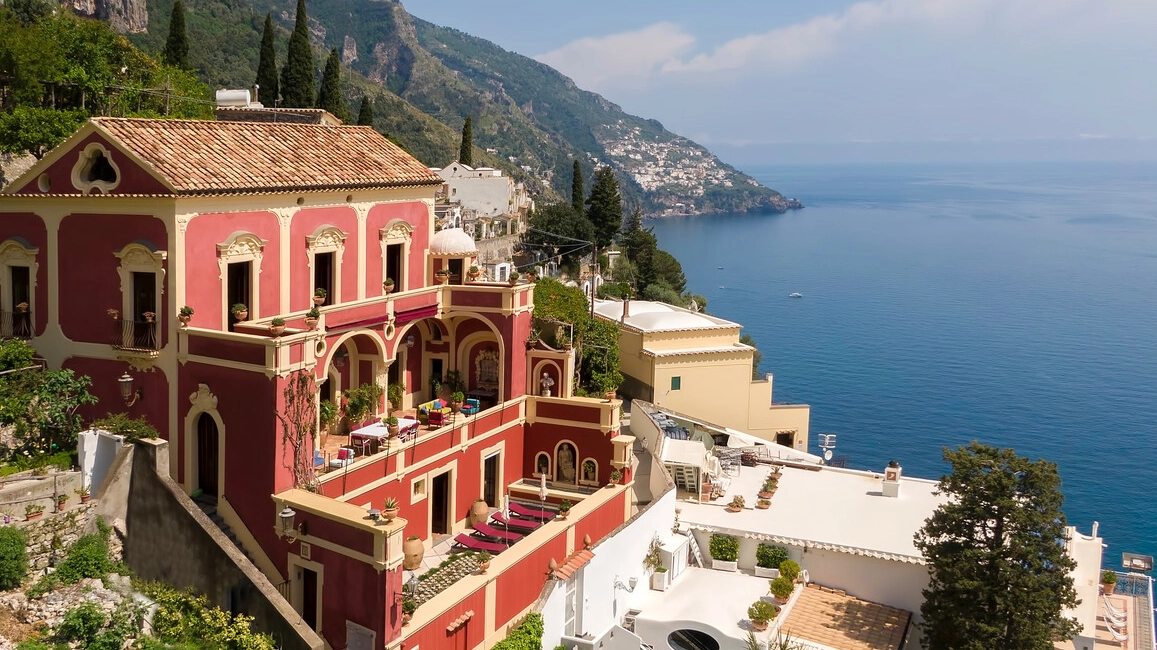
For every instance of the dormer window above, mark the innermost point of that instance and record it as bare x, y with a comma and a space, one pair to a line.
95, 170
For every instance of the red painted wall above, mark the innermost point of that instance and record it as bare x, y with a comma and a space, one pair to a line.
417, 215
154, 404
591, 443
304, 224
435, 634
88, 243
30, 228
133, 179
204, 284
601, 522
521, 584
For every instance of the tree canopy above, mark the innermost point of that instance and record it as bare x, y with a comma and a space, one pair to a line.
556, 230
297, 79
605, 207
267, 83
366, 112
176, 51
466, 147
596, 340
1000, 577
330, 96
39, 405
576, 188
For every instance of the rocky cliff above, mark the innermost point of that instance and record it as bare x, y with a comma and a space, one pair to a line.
125, 16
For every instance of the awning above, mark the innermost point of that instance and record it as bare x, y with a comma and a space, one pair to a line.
415, 314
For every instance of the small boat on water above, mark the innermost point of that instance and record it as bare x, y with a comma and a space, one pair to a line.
719, 267
795, 295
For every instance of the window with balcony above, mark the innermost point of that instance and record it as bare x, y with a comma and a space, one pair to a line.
142, 274
17, 288
239, 258
395, 242
326, 246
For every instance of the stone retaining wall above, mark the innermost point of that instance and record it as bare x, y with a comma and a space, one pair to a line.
49, 537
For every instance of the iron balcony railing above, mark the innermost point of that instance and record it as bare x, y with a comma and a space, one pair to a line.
135, 335
16, 324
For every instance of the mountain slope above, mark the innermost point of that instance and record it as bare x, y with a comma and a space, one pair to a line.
532, 119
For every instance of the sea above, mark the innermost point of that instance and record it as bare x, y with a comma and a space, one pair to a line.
1012, 304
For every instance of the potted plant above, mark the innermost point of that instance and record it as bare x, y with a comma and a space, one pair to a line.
395, 392
149, 316
474, 273
390, 509
564, 509
532, 276
412, 552
767, 560
277, 326
457, 398
319, 295
616, 476
763, 504
33, 511
781, 588
659, 579
388, 285
789, 569
327, 412
483, 561
240, 311
362, 402
84, 493
770, 484
760, 613
1108, 581
736, 504
61, 501
409, 606
185, 315
442, 276
513, 278
22, 307
724, 551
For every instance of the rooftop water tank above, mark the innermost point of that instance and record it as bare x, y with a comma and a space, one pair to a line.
226, 97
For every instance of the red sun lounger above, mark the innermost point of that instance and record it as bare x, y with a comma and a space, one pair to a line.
531, 513
524, 525
475, 544
486, 530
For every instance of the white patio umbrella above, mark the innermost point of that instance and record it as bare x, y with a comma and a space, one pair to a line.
542, 493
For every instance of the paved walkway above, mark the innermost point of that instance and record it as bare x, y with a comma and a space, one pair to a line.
834, 619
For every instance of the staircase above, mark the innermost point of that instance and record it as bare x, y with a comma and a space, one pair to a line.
695, 553
208, 505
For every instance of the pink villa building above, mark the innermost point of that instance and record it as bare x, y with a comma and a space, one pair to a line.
105, 240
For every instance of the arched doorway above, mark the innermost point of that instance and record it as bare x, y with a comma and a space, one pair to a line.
208, 449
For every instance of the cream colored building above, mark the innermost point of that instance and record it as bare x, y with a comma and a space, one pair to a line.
694, 364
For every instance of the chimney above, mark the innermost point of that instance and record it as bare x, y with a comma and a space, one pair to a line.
626, 310
892, 479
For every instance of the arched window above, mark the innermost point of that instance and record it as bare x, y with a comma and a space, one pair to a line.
395, 242
239, 258
326, 247
590, 472
542, 464
18, 289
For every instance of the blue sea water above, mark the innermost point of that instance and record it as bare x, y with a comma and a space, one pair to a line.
1015, 305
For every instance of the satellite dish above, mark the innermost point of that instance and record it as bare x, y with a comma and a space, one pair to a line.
827, 454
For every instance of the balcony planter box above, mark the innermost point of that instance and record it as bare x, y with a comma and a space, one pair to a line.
659, 580
762, 572
720, 565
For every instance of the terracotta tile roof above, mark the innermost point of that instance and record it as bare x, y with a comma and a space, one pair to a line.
207, 157
573, 563
837, 620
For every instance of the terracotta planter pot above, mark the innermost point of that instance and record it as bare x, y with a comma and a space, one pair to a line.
184, 320
473, 276
388, 288
85, 497
311, 324
765, 495
319, 300
277, 330
441, 279
393, 429
455, 407
780, 601
610, 395
762, 506
241, 315
406, 619
60, 506
759, 626
35, 515
483, 566
413, 551
562, 515
734, 509
1108, 587
389, 514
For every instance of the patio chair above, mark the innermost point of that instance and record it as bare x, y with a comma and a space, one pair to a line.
345, 456
475, 544
471, 406
1114, 621
437, 418
1120, 637
486, 530
532, 513
512, 523
1119, 613
318, 458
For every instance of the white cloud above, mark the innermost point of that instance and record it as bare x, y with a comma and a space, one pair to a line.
596, 63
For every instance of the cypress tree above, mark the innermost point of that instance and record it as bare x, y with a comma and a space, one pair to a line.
297, 76
466, 150
576, 188
176, 52
366, 112
330, 97
267, 85
605, 209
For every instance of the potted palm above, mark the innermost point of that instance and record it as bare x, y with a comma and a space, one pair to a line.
760, 613
390, 509
781, 588
185, 315
240, 311
457, 398
388, 285
311, 318
724, 551
277, 326
319, 295
1108, 581
736, 504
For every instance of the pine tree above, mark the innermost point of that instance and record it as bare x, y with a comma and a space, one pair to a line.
999, 573
576, 188
297, 79
605, 207
330, 96
366, 112
640, 246
176, 52
466, 150
267, 84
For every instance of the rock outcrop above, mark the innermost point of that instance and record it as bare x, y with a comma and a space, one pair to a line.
125, 16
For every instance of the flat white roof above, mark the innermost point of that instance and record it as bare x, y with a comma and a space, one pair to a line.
684, 452
832, 508
701, 599
649, 316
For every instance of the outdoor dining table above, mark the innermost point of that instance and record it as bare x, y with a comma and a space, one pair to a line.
378, 431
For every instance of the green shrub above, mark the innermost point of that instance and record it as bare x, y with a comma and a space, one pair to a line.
13, 557
183, 617
762, 611
789, 570
82, 623
34, 644
1108, 577
131, 428
770, 557
781, 587
63, 460
724, 548
88, 558
527, 636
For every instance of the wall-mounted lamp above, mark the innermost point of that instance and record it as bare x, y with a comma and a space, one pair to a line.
410, 340
286, 515
632, 581
127, 393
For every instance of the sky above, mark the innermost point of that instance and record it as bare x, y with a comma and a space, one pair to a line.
783, 81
